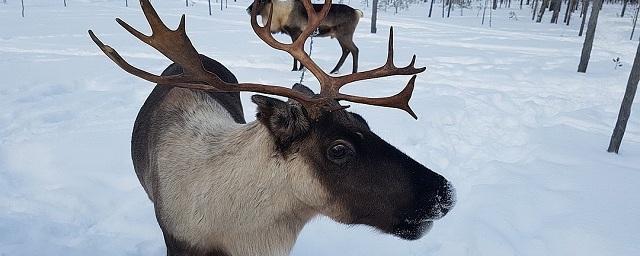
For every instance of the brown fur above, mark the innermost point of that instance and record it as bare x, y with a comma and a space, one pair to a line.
289, 17
223, 187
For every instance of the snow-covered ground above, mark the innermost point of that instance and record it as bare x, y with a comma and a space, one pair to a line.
502, 113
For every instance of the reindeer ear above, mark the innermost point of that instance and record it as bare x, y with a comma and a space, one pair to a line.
286, 122
303, 89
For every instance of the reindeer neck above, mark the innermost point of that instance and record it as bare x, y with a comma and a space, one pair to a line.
253, 210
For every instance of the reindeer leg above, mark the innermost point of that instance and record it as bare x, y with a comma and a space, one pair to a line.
345, 53
354, 55
295, 33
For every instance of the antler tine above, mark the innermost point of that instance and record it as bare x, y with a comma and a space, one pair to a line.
116, 58
330, 86
176, 46
264, 33
388, 69
313, 19
153, 18
296, 48
399, 101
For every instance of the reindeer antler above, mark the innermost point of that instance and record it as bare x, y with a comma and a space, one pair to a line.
176, 46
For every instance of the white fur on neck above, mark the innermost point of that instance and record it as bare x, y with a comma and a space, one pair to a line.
223, 186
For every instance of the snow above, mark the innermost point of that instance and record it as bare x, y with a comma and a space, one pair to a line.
503, 114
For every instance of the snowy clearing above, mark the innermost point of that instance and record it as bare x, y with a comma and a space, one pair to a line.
503, 114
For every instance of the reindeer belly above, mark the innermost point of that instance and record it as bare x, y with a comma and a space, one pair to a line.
326, 31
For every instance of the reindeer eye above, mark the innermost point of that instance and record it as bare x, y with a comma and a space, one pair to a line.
340, 152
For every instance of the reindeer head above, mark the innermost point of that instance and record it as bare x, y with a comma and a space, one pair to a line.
364, 179
263, 7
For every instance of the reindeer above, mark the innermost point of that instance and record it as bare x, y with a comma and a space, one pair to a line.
222, 186
290, 17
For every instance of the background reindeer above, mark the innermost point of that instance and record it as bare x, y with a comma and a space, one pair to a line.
290, 17
221, 186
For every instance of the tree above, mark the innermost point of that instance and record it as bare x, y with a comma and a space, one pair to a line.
535, 8
495, 4
545, 3
22, 3
635, 20
484, 10
443, 1
567, 13
585, 9
449, 8
374, 16
431, 8
209, 7
556, 11
588, 39
624, 7
625, 107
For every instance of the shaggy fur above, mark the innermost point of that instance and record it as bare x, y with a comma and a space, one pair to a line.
222, 187
290, 17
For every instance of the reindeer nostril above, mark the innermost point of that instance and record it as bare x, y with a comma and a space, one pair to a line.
446, 198
443, 201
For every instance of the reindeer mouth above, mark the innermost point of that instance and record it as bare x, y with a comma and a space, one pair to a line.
415, 227
412, 229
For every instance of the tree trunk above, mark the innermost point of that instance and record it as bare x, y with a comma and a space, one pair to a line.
22, 3
65, 3
624, 7
374, 16
484, 10
573, 7
625, 107
566, 13
635, 20
443, 3
449, 8
545, 3
521, 1
495, 4
126, 3
585, 9
431, 8
490, 17
556, 11
588, 39
535, 8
